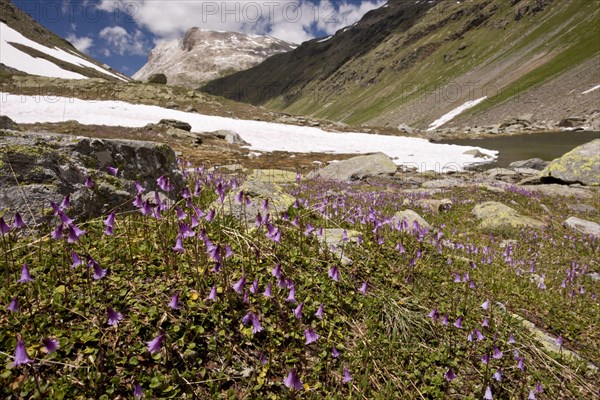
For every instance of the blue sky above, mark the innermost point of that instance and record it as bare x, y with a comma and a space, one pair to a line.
120, 33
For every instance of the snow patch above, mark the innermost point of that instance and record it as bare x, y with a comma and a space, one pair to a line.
452, 114
262, 136
15, 58
591, 90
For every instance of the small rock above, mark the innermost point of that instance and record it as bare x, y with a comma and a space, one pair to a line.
435, 206
160, 79
411, 217
533, 163
357, 168
173, 123
583, 226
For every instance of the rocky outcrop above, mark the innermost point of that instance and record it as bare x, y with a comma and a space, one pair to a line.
497, 216
48, 167
583, 226
7, 123
357, 168
580, 165
532, 163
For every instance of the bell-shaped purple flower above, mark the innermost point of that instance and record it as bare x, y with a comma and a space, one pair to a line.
485, 305
479, 335
21, 356
363, 288
18, 222
434, 314
89, 182
110, 220
164, 184
335, 352
347, 376
539, 388
450, 375
252, 318
50, 345
497, 375
319, 313
531, 395
99, 272
497, 353
560, 341
174, 303
254, 287
14, 305
25, 275
137, 390
511, 339
521, 364
488, 394
155, 344
458, 322
112, 170
239, 285
311, 336
292, 295
267, 293
113, 317
4, 228
74, 233
276, 272
213, 294
334, 274
293, 380
179, 245
298, 311
485, 359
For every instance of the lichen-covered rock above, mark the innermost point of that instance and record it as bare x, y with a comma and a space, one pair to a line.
580, 165
336, 241
257, 191
494, 215
38, 168
357, 168
583, 226
410, 217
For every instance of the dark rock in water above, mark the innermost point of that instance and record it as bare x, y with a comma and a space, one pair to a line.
572, 122
173, 123
533, 163
357, 168
48, 167
160, 79
7, 123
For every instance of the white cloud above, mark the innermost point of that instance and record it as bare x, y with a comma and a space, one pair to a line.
291, 20
82, 44
122, 42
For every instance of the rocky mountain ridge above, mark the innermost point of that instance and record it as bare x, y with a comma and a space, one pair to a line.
202, 55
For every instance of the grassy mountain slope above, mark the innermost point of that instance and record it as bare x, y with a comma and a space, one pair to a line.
411, 63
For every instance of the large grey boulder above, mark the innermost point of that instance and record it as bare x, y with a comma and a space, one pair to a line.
583, 226
580, 165
257, 192
498, 216
48, 167
357, 168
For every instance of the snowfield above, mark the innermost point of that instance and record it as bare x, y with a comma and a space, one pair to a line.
263, 136
15, 58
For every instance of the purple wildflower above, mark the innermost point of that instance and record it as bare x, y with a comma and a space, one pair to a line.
213, 294
174, 303
486, 305
276, 272
458, 322
485, 359
112, 170
497, 353
311, 336
445, 320
99, 273
4, 228
560, 341
334, 352
479, 335
498, 375
267, 293
137, 390
434, 314
50, 344
334, 274
89, 182
14, 305
539, 388
76, 260
511, 339
164, 184
25, 275
21, 356
347, 376
155, 344
298, 311
292, 295
485, 323
531, 395
74, 233
293, 380
18, 222
319, 313
488, 394
179, 245
252, 318
520, 364
239, 285
254, 287
450, 375
363, 288
114, 317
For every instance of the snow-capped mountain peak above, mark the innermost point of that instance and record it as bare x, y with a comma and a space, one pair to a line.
201, 55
